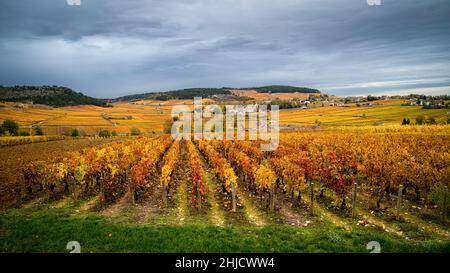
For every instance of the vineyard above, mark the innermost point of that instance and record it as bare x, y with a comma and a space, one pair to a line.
11, 141
342, 186
149, 116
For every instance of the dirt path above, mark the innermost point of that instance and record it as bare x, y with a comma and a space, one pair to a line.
405, 217
291, 213
252, 212
323, 213
216, 214
408, 226
178, 188
222, 214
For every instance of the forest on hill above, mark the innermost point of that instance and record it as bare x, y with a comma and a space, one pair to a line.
57, 96
281, 89
181, 94
190, 93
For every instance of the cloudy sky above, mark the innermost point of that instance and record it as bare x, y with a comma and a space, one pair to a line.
109, 48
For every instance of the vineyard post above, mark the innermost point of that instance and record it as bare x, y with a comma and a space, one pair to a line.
47, 193
311, 205
102, 189
399, 201
199, 197
445, 205
23, 192
164, 195
73, 187
131, 189
233, 195
355, 189
272, 196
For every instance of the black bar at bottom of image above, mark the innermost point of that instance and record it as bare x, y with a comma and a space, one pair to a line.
187, 262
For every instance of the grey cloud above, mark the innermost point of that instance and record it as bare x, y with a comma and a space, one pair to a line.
108, 48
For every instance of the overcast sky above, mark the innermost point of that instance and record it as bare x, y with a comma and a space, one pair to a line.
109, 48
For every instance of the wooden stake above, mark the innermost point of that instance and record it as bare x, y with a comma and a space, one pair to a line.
444, 207
355, 189
131, 189
272, 196
73, 185
165, 195
311, 196
102, 191
233, 195
199, 197
399, 201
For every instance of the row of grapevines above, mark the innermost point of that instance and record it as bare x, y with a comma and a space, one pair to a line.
170, 160
198, 183
252, 171
20, 140
221, 167
107, 168
147, 164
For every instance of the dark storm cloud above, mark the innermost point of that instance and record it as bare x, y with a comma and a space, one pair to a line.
108, 48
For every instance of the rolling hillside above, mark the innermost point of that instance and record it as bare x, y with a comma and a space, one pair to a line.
56, 96
281, 89
190, 93
181, 94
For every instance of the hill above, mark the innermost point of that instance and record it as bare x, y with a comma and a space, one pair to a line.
281, 89
56, 96
181, 94
190, 93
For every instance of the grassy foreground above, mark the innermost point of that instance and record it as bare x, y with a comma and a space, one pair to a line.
48, 229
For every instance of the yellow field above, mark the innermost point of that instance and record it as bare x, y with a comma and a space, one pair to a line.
383, 112
88, 119
19, 140
149, 116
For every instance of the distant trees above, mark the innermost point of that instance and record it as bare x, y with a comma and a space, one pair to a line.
421, 120
284, 104
190, 93
73, 133
282, 89
135, 132
372, 98
104, 133
57, 96
168, 125
10, 128
181, 94
38, 131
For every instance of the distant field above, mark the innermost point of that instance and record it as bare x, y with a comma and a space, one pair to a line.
382, 112
149, 116
89, 119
